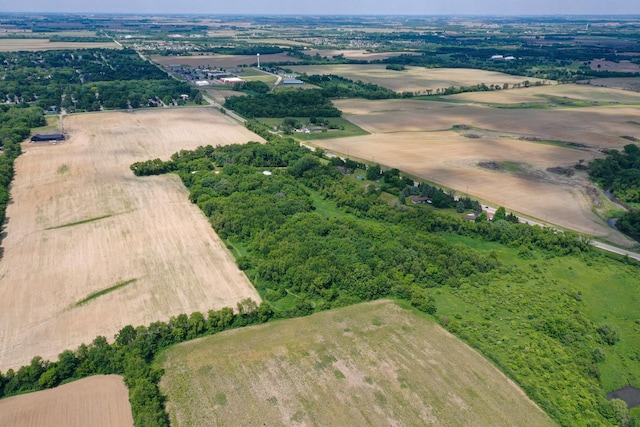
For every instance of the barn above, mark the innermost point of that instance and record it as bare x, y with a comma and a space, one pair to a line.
48, 137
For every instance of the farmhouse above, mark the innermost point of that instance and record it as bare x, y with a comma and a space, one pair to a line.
231, 80
420, 200
46, 138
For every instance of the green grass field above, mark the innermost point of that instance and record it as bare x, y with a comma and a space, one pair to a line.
345, 128
373, 364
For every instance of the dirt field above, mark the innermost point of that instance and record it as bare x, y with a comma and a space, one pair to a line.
82, 223
372, 364
591, 93
15, 45
223, 61
626, 83
98, 401
414, 137
413, 79
622, 66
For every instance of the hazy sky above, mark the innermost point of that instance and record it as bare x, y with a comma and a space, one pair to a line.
331, 7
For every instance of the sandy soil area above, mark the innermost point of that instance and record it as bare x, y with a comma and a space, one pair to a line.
98, 401
412, 136
81, 223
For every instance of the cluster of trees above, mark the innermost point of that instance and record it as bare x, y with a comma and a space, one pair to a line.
131, 355
15, 126
334, 86
252, 87
288, 103
87, 80
619, 173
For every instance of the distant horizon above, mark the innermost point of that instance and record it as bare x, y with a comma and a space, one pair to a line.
543, 15
332, 7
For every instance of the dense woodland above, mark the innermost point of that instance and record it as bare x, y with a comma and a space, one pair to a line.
334, 86
304, 257
87, 80
288, 103
619, 173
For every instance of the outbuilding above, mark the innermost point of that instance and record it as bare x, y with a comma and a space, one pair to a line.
47, 138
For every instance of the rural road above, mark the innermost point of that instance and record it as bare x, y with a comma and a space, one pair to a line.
220, 107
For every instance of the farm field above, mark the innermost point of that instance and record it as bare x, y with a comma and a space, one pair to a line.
222, 61
545, 95
417, 137
98, 401
413, 79
626, 83
364, 365
90, 248
15, 45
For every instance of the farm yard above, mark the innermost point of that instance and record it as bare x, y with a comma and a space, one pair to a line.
99, 401
364, 365
426, 139
90, 248
414, 79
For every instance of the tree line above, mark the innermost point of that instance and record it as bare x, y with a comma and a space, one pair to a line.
287, 103
619, 173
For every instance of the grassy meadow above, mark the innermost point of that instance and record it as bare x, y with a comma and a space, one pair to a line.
373, 364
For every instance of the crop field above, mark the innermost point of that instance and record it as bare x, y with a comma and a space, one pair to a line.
626, 83
15, 45
419, 137
222, 61
90, 248
373, 364
548, 95
413, 79
98, 401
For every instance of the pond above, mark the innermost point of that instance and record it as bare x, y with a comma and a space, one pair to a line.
629, 394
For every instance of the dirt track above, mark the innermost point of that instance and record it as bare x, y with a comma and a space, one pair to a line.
81, 223
98, 401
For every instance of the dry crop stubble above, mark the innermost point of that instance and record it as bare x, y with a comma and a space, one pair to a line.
98, 401
81, 223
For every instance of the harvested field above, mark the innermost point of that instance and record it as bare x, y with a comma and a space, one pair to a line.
413, 79
625, 83
372, 364
16, 45
82, 227
98, 401
536, 95
413, 136
621, 67
223, 61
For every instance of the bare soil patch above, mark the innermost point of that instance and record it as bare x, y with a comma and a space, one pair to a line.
373, 364
625, 83
222, 61
81, 223
622, 66
413, 79
98, 401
